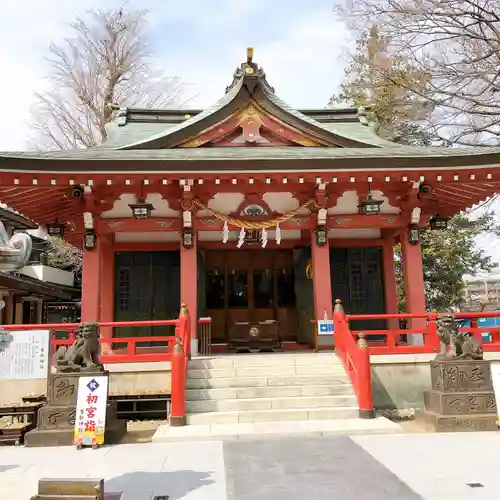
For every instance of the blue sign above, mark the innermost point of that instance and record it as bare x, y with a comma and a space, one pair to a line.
325, 327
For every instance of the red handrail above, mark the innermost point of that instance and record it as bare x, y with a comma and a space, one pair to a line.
131, 353
393, 345
356, 360
180, 359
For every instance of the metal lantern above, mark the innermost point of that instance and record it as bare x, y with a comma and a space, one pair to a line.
141, 209
413, 234
187, 237
55, 229
438, 222
370, 206
89, 240
321, 236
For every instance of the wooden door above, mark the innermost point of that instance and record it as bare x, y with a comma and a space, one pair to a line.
356, 275
250, 285
147, 288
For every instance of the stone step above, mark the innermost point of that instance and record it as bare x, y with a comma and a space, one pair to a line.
252, 416
351, 426
257, 360
282, 403
338, 378
267, 371
268, 392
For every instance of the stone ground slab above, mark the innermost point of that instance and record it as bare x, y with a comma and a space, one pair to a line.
237, 431
440, 466
298, 468
364, 467
189, 471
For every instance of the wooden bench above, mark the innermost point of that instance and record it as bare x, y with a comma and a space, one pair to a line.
74, 489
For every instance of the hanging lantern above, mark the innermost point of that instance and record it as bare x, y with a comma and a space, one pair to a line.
370, 206
141, 209
187, 237
321, 236
413, 234
438, 222
55, 229
89, 240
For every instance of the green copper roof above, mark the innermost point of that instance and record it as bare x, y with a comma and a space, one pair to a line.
153, 129
490, 154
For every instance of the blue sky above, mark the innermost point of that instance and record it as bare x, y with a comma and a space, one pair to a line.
299, 43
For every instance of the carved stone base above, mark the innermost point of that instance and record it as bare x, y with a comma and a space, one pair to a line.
460, 423
56, 420
462, 396
459, 403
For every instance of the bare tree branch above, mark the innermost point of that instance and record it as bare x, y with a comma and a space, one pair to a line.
456, 43
106, 60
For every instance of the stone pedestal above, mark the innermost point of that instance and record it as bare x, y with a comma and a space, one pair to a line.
56, 420
462, 397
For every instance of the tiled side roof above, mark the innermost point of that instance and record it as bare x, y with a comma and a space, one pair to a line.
269, 153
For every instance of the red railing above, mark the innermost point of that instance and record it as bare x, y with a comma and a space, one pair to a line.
355, 354
131, 353
421, 337
178, 350
356, 359
180, 358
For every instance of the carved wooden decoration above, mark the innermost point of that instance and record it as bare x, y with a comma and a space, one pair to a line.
251, 126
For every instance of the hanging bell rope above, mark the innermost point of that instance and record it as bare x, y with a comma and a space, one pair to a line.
248, 225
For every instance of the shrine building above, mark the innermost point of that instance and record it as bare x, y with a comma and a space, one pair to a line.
248, 211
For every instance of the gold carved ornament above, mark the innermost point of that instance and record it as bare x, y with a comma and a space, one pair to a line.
309, 270
249, 225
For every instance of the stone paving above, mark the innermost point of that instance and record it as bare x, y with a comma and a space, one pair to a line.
371, 467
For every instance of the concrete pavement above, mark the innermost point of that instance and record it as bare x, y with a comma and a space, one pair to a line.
372, 467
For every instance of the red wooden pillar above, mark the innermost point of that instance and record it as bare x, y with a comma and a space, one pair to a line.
107, 290
91, 283
322, 285
390, 286
189, 287
414, 286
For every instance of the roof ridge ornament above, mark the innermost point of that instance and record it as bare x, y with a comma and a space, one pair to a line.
362, 115
252, 75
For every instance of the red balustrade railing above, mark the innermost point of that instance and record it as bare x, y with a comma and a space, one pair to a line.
178, 349
354, 347
131, 353
356, 359
421, 336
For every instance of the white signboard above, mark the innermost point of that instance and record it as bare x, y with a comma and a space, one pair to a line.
325, 327
495, 375
26, 356
90, 418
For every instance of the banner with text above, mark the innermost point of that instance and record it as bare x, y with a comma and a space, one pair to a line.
90, 421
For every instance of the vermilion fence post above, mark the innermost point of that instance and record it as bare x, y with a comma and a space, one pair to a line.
432, 338
178, 405
185, 329
364, 376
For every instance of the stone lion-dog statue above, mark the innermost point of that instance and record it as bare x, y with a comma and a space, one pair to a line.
454, 343
83, 355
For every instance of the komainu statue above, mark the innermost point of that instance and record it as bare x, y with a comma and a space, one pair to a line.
460, 346
83, 355
14, 252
